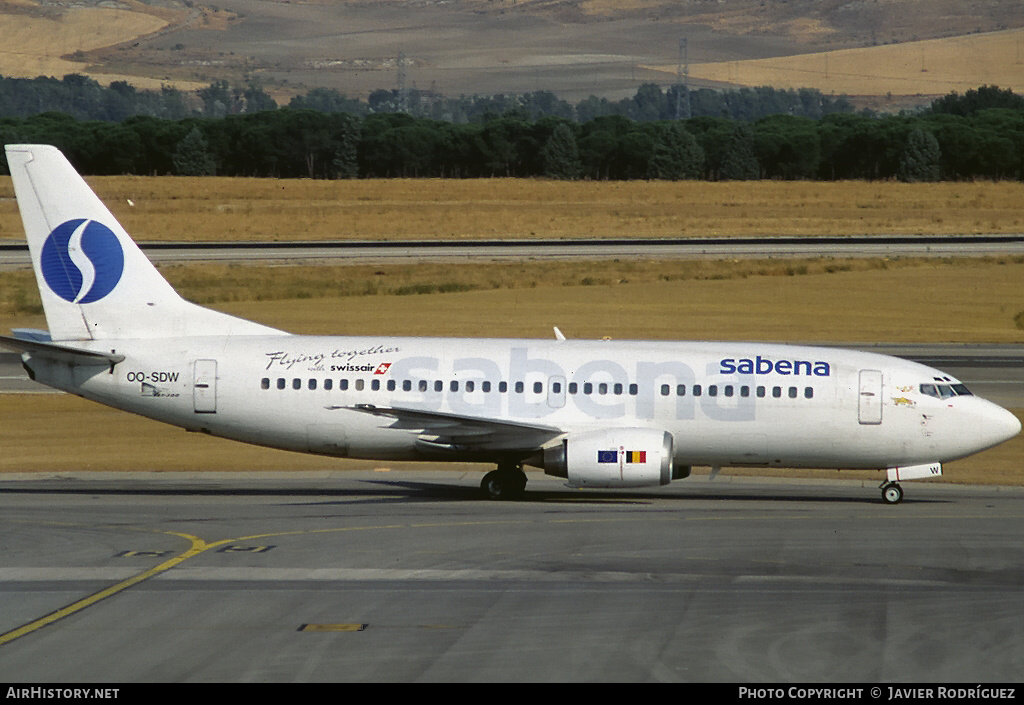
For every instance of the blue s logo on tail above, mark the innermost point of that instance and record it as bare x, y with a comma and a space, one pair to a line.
82, 261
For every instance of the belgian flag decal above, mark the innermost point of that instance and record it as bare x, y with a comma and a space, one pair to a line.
631, 456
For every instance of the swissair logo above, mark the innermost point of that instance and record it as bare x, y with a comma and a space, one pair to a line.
382, 368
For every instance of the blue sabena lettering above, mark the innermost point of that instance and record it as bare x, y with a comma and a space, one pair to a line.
764, 366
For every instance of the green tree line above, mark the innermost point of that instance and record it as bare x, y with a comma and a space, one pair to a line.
960, 137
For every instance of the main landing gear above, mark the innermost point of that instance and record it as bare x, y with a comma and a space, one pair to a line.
507, 482
892, 493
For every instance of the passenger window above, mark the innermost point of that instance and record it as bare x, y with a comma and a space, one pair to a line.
573, 387
438, 385
777, 392
265, 383
634, 390
375, 385
713, 390
696, 390
680, 390
519, 387
296, 383
391, 385
728, 390
792, 392
328, 384
485, 387
664, 390
502, 387
406, 385
556, 387
453, 386
760, 392
538, 387
343, 385
808, 392
360, 384
312, 384
588, 388
617, 388
422, 385
744, 391
470, 386
602, 388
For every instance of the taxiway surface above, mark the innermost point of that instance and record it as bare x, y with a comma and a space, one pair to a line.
15, 255
410, 576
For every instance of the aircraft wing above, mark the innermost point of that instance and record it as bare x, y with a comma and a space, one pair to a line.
60, 352
441, 432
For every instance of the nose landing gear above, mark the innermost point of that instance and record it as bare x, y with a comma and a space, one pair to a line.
892, 493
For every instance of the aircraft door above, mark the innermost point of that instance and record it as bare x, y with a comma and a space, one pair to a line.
556, 392
204, 387
870, 397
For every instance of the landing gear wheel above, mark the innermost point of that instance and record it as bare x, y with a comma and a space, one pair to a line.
504, 484
892, 493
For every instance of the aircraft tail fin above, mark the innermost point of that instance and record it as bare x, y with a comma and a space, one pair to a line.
94, 281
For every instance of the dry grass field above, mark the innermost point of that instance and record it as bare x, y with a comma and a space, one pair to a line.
51, 39
930, 67
237, 209
925, 302
902, 300
37, 38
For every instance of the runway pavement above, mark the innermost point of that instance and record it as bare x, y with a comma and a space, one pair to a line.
362, 252
406, 576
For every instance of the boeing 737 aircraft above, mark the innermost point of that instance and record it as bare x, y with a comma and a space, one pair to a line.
612, 414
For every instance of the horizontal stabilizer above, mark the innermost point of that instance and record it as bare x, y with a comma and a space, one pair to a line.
60, 353
41, 336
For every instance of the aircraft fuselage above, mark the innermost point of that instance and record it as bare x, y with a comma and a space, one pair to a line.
724, 403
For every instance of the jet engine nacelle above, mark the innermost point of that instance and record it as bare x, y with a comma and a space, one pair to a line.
620, 457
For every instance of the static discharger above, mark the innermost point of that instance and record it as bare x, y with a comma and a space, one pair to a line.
333, 627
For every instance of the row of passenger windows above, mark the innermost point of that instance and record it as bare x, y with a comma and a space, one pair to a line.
588, 388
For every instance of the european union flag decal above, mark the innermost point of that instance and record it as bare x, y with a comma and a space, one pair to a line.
607, 456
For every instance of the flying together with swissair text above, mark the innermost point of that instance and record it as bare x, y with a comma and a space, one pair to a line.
611, 414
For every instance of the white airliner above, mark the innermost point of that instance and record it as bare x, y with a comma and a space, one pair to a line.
611, 414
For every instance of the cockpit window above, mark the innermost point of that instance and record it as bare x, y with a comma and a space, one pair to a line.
945, 391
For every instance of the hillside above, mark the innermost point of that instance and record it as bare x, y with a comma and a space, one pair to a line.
571, 47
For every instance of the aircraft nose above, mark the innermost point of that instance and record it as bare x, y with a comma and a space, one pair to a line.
998, 425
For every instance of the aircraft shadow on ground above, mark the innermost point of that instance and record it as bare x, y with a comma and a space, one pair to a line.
403, 490
440, 491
